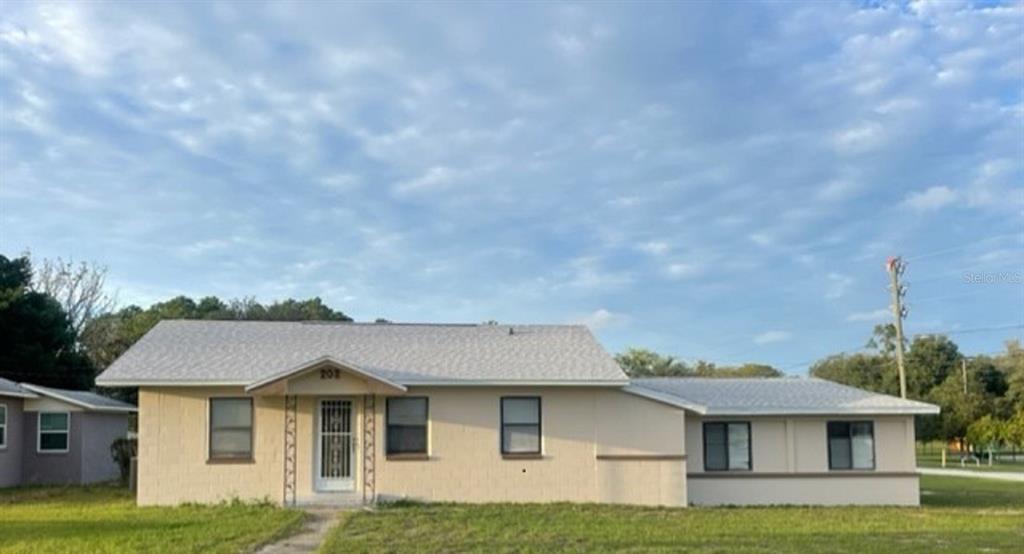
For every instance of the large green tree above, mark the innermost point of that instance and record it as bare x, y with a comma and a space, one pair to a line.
37, 340
641, 362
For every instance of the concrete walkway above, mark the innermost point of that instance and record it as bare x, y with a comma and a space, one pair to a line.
318, 522
1001, 475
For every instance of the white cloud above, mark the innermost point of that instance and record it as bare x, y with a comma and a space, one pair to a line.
859, 138
932, 199
762, 238
437, 177
599, 319
654, 247
878, 315
340, 182
838, 284
682, 270
769, 337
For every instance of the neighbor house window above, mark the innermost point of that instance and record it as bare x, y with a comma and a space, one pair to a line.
851, 445
3, 425
54, 428
727, 446
520, 425
230, 428
407, 425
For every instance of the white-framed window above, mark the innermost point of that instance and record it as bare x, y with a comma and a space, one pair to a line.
3, 425
520, 425
54, 432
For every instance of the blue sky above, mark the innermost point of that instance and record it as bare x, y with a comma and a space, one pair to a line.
717, 182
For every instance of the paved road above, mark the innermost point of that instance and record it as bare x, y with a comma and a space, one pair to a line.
1002, 475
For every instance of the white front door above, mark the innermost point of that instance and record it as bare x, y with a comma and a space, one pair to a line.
335, 465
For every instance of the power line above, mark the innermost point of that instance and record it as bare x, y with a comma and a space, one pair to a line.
959, 248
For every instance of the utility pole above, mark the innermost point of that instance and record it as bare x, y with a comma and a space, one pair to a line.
963, 373
896, 267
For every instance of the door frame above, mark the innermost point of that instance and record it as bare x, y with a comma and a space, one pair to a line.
335, 485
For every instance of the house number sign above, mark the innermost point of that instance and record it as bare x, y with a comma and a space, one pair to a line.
330, 373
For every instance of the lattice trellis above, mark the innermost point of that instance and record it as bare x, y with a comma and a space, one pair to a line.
369, 449
290, 439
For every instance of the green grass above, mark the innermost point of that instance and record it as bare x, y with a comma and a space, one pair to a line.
959, 515
105, 519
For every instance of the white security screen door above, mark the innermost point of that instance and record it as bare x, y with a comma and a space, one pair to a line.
335, 447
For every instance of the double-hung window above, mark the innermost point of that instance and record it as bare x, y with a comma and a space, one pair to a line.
3, 425
727, 446
851, 445
407, 425
520, 425
54, 431
231, 428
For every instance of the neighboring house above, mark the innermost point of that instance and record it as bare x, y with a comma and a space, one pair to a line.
345, 412
56, 436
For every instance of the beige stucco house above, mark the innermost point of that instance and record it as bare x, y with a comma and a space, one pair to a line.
352, 413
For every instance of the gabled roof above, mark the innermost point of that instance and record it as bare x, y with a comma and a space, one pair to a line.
10, 388
773, 396
179, 352
320, 362
82, 399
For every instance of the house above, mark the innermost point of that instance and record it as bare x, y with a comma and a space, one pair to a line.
56, 436
350, 413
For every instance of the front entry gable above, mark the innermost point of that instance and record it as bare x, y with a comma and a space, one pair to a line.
325, 376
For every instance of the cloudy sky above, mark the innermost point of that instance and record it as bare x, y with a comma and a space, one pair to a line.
714, 182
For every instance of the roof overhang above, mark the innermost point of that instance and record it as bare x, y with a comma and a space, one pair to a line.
56, 395
665, 398
926, 409
15, 394
319, 363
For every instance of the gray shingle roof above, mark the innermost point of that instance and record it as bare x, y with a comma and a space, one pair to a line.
10, 388
241, 352
784, 396
83, 399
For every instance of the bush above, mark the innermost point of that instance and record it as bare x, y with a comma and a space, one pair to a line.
123, 450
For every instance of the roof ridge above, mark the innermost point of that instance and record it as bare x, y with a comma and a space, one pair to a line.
372, 323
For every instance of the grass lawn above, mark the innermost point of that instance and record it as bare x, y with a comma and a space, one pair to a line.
959, 515
105, 519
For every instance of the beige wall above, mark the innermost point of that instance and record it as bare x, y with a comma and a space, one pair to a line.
579, 424
791, 455
644, 438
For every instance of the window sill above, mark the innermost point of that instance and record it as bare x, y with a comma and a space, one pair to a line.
52, 452
230, 461
407, 457
525, 456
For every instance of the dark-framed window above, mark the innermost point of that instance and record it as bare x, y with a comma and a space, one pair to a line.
851, 445
520, 425
727, 446
3, 425
231, 428
407, 424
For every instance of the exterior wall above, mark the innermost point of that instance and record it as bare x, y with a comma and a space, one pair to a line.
10, 455
174, 444
51, 467
640, 443
99, 430
790, 465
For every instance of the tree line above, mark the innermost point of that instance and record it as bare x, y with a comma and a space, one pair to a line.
58, 327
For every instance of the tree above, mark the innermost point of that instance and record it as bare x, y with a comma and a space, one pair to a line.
80, 289
640, 362
1013, 432
986, 431
959, 409
37, 338
748, 370
864, 371
930, 361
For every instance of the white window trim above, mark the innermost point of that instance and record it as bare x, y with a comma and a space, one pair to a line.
39, 434
3, 444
